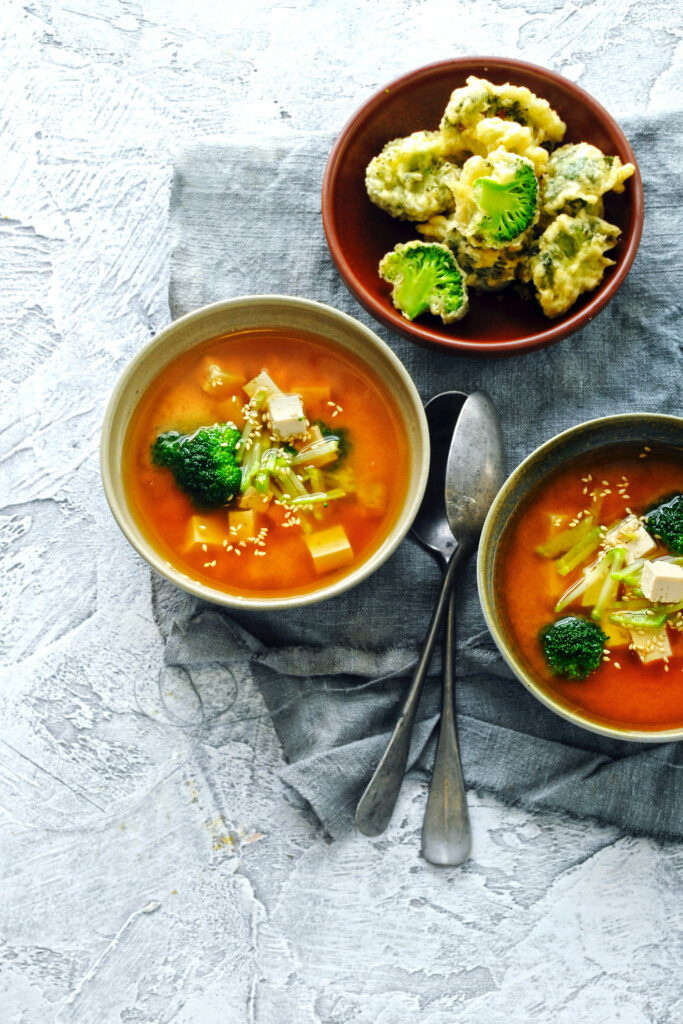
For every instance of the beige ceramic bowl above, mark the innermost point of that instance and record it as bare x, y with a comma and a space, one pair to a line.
593, 436
267, 311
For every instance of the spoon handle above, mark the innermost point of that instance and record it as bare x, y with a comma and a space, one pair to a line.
377, 803
446, 833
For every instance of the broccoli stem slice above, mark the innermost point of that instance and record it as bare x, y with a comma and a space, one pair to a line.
644, 618
319, 498
590, 578
610, 587
562, 542
577, 554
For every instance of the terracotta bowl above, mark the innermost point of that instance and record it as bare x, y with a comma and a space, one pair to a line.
586, 438
264, 311
359, 233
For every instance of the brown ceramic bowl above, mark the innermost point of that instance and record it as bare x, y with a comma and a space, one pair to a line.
359, 233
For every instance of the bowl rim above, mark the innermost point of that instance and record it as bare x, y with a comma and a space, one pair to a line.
114, 491
485, 564
427, 336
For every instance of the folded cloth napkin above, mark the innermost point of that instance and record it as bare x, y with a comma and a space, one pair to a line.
245, 218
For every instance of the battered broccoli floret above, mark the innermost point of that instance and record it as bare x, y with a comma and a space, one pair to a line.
666, 523
496, 200
568, 259
203, 463
485, 270
482, 99
578, 175
409, 177
425, 278
573, 646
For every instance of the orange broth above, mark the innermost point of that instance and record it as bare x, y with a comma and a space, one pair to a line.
298, 362
622, 691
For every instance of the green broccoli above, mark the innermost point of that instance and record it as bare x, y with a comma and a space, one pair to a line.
342, 436
425, 278
203, 463
666, 522
573, 646
409, 178
508, 207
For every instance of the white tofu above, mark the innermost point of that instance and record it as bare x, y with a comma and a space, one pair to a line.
662, 582
651, 644
262, 382
287, 416
631, 535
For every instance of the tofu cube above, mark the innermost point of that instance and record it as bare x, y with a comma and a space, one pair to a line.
262, 382
242, 524
330, 549
631, 535
252, 499
204, 531
287, 416
662, 582
651, 644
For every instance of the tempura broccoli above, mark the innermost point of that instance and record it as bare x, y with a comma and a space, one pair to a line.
203, 463
486, 270
573, 646
496, 200
578, 175
425, 278
409, 178
665, 522
568, 259
482, 99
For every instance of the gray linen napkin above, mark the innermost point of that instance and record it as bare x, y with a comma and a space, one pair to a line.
245, 218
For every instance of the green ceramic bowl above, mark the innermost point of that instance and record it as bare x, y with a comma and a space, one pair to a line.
586, 438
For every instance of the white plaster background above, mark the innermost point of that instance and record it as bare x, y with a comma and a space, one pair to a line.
154, 869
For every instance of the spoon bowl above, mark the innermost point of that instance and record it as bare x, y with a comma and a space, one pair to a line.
430, 526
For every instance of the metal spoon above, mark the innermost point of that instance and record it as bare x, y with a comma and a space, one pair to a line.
431, 528
468, 477
475, 472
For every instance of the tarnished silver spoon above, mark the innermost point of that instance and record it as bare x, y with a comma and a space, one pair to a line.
432, 530
475, 472
466, 471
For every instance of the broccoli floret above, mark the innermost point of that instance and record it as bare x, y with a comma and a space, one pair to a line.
482, 99
509, 207
203, 463
496, 200
425, 278
573, 646
578, 175
569, 259
666, 522
409, 178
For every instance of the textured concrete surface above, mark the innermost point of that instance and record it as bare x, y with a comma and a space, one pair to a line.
154, 868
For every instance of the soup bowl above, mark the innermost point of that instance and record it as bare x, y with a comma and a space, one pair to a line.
337, 335
587, 703
358, 233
